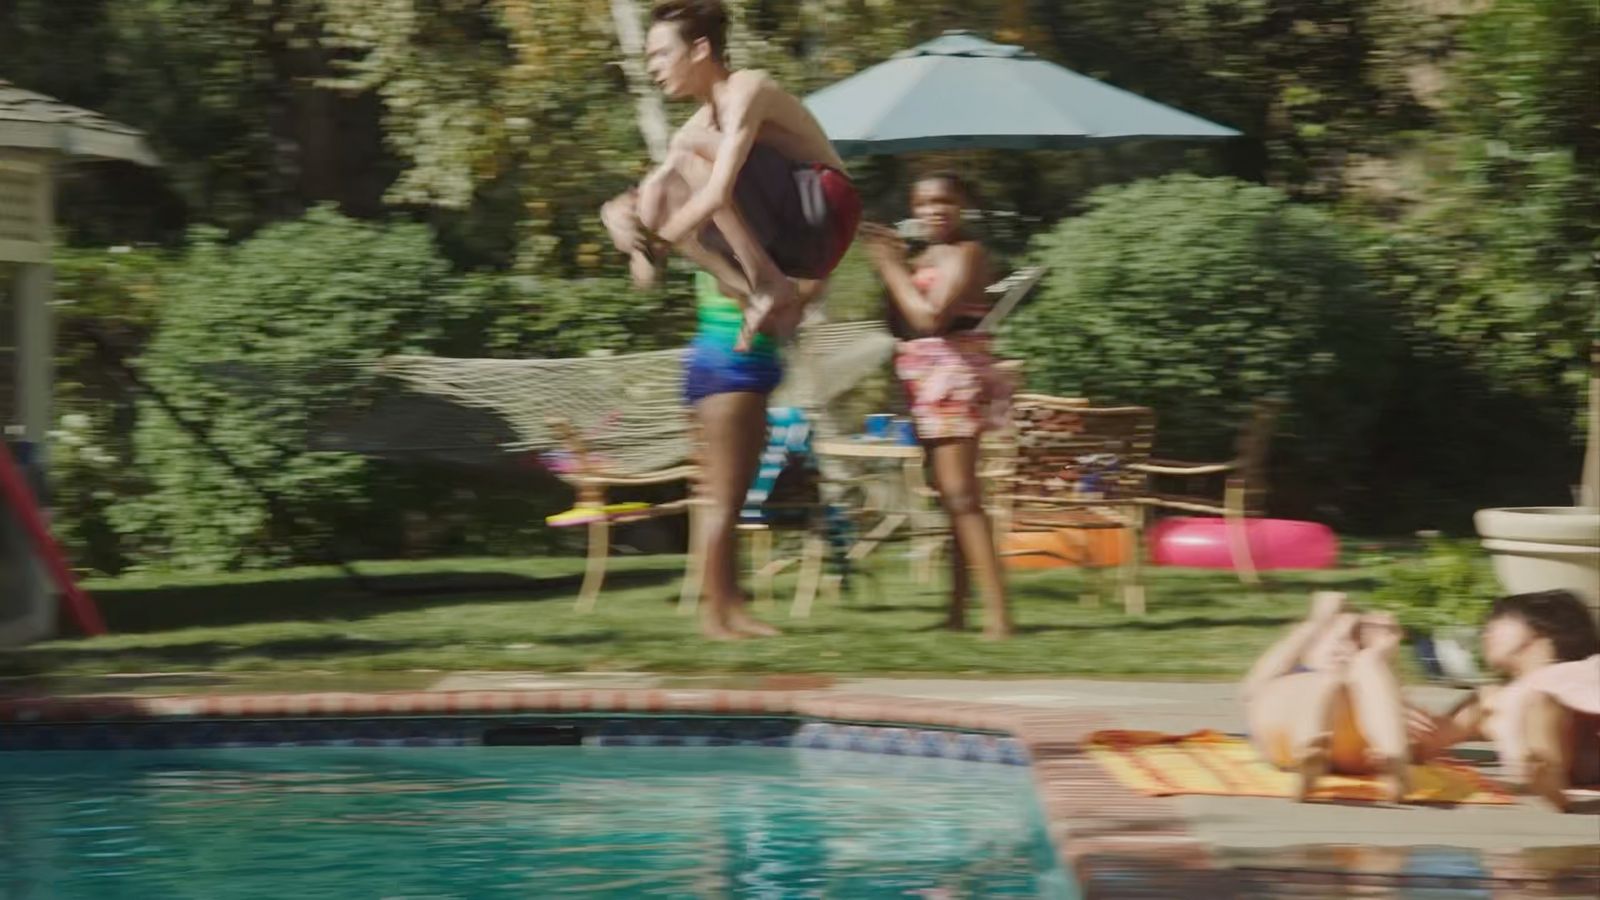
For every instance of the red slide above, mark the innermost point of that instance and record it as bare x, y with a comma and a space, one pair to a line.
19, 499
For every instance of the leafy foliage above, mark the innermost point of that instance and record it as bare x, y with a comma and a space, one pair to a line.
1450, 585
1198, 296
253, 345
1427, 296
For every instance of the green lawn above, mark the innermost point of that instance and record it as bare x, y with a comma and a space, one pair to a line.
444, 616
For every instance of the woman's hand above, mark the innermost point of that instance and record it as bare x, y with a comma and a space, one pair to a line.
883, 245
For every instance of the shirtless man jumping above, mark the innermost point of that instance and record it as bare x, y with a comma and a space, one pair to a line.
753, 192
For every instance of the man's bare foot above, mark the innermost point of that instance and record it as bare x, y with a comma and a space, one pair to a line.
749, 625
774, 309
1309, 769
645, 272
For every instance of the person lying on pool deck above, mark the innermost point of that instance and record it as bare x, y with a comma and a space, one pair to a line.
1545, 722
1325, 698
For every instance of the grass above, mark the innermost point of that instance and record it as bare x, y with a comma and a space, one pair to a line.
443, 616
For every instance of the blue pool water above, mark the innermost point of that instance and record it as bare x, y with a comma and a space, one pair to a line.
517, 822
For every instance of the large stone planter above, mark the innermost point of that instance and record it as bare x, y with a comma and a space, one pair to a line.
1542, 548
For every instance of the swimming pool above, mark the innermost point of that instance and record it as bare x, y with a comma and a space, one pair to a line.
518, 821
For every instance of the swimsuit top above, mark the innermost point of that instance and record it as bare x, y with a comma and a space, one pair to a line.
968, 314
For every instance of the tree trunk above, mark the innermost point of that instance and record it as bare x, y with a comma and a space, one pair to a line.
652, 117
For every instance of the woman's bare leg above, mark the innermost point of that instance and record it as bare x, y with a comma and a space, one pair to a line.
734, 428
955, 470
1291, 723
1380, 713
1282, 657
960, 576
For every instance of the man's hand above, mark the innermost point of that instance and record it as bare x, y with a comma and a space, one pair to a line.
620, 216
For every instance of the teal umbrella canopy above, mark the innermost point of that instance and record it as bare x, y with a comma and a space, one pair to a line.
959, 91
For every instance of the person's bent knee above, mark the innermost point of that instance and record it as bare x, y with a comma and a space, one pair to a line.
652, 209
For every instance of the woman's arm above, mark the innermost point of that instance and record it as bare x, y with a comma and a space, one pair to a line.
960, 272
1432, 735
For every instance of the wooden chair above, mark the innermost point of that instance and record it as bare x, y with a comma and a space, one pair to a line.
593, 486
1244, 486
1079, 467
786, 498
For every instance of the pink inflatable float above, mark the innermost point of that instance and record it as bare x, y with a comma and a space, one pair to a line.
1202, 543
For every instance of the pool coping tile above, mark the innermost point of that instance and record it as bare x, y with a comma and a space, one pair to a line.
1120, 845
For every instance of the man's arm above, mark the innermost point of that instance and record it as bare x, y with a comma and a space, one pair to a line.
744, 113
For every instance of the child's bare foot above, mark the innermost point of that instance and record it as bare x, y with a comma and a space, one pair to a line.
1311, 766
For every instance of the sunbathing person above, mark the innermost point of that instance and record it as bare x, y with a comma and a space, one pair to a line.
1325, 699
1545, 723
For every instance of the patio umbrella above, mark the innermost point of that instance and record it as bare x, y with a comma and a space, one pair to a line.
959, 91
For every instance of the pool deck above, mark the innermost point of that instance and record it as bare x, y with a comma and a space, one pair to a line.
1120, 844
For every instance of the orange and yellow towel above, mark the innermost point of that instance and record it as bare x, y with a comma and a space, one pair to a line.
1207, 762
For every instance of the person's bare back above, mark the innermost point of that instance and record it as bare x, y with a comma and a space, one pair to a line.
781, 120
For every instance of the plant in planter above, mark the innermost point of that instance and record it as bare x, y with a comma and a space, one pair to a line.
1440, 600
1538, 548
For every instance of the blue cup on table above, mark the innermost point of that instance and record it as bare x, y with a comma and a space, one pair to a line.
878, 426
905, 432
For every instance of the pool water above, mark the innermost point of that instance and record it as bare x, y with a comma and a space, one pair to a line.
517, 822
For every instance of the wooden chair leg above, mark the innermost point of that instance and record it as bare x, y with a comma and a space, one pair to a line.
761, 563
694, 569
1244, 565
594, 573
805, 590
1133, 599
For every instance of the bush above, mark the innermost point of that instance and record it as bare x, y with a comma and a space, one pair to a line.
108, 295
1451, 585
252, 346
1197, 296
